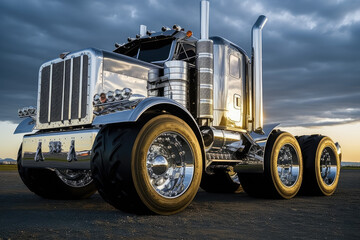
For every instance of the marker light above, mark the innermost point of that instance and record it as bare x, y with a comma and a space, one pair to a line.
189, 33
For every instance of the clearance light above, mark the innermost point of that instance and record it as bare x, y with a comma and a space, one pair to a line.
177, 27
165, 29
189, 33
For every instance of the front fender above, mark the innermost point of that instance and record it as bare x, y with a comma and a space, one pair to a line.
159, 103
27, 125
132, 115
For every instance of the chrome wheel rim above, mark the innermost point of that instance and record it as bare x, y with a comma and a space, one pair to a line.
288, 166
328, 166
170, 164
74, 178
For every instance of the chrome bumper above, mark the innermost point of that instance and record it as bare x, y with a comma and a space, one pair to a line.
63, 150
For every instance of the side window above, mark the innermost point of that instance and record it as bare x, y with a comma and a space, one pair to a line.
186, 52
234, 66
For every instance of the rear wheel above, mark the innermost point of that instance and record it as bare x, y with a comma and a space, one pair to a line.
321, 165
58, 184
283, 169
221, 182
156, 167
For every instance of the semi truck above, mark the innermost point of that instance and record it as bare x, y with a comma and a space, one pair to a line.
161, 115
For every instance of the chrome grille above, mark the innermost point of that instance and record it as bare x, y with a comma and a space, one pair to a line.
64, 91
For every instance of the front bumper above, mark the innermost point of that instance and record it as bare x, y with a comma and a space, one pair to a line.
62, 150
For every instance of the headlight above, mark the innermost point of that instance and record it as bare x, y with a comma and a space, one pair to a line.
118, 94
110, 96
96, 99
126, 93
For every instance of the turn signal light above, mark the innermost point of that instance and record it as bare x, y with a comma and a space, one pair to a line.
189, 33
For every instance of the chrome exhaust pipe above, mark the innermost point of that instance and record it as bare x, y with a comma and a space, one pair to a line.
204, 19
257, 98
205, 69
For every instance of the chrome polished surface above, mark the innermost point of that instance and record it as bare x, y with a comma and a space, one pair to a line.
27, 125
205, 80
176, 82
338, 150
74, 178
328, 166
38, 149
256, 40
288, 167
204, 19
170, 164
132, 115
226, 113
94, 73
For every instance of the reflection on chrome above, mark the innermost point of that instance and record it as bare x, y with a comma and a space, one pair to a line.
328, 166
74, 178
170, 164
288, 165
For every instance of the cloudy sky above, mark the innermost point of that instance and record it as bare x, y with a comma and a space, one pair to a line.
311, 48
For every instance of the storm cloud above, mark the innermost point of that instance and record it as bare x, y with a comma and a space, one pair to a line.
311, 49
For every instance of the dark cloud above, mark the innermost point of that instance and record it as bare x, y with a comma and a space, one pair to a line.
311, 63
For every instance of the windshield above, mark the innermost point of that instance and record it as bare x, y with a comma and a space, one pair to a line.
155, 50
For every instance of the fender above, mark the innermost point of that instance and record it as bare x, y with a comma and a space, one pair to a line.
27, 125
133, 115
162, 103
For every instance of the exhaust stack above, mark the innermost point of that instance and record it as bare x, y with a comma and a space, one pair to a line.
205, 69
204, 19
257, 98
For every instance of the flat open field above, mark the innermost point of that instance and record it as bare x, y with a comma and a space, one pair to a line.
23, 215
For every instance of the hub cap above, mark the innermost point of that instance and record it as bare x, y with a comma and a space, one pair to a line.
288, 165
74, 178
328, 166
170, 164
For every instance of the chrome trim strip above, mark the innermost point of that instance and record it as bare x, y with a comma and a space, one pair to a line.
206, 70
63, 94
205, 55
50, 88
209, 101
80, 84
70, 89
208, 86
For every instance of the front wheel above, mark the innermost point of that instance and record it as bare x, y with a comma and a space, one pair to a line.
154, 167
283, 169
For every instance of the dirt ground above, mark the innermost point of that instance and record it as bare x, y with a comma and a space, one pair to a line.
23, 215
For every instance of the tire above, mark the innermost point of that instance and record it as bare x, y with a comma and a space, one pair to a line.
278, 180
221, 182
47, 183
140, 169
321, 165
